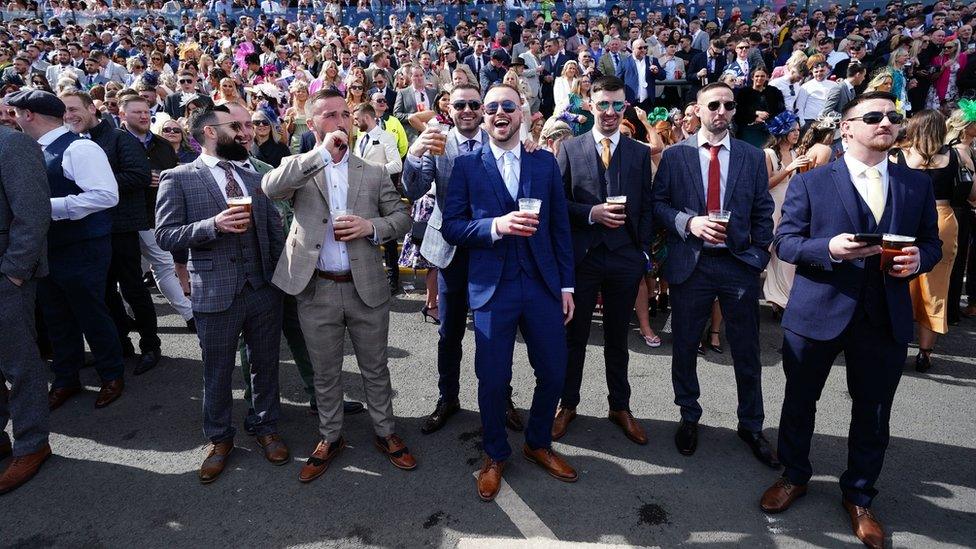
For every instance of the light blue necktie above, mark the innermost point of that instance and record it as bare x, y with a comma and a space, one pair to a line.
511, 178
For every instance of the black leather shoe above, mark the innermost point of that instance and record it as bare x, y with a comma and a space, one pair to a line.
760, 447
147, 362
438, 418
513, 419
686, 438
350, 407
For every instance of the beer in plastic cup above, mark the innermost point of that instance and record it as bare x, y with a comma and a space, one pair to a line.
620, 200
438, 149
338, 224
720, 216
891, 247
241, 202
530, 205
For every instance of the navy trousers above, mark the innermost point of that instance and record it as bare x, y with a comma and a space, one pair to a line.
737, 288
452, 304
524, 304
874, 364
72, 300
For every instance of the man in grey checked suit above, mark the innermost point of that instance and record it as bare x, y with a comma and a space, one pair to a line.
422, 172
345, 208
25, 214
232, 257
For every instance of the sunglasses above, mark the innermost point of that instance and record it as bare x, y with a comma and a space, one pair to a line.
618, 106
508, 106
875, 117
358, 88
235, 125
380, 100
171, 130
742, 47
261, 122
186, 81
472, 104
714, 105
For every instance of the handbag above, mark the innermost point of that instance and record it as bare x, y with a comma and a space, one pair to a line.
963, 185
417, 232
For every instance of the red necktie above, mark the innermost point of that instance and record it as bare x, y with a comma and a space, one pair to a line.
714, 198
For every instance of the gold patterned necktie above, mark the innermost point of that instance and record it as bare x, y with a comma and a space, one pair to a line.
605, 153
876, 197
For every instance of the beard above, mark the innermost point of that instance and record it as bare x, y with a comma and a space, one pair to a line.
228, 148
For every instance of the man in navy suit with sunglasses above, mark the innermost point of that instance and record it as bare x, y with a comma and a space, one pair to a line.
713, 257
520, 278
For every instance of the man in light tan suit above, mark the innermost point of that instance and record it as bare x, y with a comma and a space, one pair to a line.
333, 265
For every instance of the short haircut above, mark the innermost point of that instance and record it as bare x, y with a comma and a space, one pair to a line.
606, 83
863, 98
365, 108
506, 86
127, 99
712, 86
203, 118
854, 69
466, 86
86, 100
323, 93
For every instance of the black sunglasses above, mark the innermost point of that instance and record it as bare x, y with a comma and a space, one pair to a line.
380, 100
472, 104
714, 105
875, 117
618, 106
508, 106
261, 122
171, 130
186, 81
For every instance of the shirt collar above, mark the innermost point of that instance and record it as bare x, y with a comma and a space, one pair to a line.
598, 137
857, 168
461, 139
498, 152
725, 142
210, 161
51, 136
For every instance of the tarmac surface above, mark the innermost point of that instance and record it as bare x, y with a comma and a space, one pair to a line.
126, 475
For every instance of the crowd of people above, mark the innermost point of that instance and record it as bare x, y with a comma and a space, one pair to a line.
271, 177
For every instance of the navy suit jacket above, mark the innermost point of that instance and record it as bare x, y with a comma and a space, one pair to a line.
627, 71
477, 194
821, 204
699, 62
679, 195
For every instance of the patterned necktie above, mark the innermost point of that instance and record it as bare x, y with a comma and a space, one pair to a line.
362, 146
605, 153
713, 199
876, 197
470, 143
511, 178
232, 189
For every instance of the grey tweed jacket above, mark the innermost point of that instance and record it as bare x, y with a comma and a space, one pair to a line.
188, 201
25, 207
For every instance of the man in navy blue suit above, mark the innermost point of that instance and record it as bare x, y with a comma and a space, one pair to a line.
639, 72
520, 278
709, 260
842, 301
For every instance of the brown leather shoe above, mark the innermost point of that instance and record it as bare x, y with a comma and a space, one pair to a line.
490, 479
58, 396
274, 448
866, 526
394, 448
631, 428
216, 460
320, 459
513, 419
561, 423
110, 392
551, 462
778, 497
22, 469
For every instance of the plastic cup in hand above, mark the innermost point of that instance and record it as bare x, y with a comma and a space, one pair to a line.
336, 224
721, 217
891, 247
241, 202
620, 200
530, 205
441, 129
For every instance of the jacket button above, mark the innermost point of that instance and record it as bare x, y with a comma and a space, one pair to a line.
326, 220
317, 246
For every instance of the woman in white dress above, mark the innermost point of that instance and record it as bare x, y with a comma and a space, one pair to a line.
782, 161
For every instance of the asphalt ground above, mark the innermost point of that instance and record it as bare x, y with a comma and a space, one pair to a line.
126, 475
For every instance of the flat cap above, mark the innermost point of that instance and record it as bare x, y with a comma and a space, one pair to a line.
37, 101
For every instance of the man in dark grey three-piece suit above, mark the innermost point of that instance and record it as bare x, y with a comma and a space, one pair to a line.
25, 214
233, 255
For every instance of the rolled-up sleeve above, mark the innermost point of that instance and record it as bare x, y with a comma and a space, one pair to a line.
85, 163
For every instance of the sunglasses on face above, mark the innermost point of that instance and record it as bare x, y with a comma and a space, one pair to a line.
875, 117
171, 130
261, 122
508, 106
618, 106
472, 104
186, 81
714, 105
234, 125
358, 88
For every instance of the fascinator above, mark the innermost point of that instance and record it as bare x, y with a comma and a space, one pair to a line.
782, 123
241, 52
659, 114
968, 108
827, 121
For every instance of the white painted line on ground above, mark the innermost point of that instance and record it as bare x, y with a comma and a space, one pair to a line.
524, 518
509, 543
154, 461
351, 469
631, 466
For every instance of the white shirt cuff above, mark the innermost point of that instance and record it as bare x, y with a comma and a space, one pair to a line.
495, 237
566, 290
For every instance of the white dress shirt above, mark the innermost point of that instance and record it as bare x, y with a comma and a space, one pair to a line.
812, 97
220, 176
333, 257
85, 163
789, 89
598, 141
860, 180
705, 160
641, 78
421, 99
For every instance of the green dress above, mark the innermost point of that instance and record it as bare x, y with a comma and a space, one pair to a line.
576, 108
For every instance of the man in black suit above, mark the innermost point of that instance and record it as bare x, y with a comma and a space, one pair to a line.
478, 59
173, 104
611, 243
706, 67
381, 84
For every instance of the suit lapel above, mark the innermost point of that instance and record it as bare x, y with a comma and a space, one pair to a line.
590, 161
694, 169
734, 169
494, 176
898, 194
252, 182
525, 175
210, 183
355, 177
846, 191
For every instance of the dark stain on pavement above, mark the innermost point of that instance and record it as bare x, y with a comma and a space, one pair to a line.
473, 461
468, 435
155, 407
653, 514
130, 435
433, 519
37, 540
364, 534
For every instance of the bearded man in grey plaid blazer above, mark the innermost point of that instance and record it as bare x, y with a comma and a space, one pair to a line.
232, 258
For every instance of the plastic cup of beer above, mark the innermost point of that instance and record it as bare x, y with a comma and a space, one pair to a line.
530, 205
336, 224
891, 247
620, 200
241, 202
721, 217
438, 148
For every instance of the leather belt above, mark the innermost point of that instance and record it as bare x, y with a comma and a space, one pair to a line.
334, 277
715, 252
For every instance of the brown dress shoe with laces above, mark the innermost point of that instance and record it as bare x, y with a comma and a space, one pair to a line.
551, 462
778, 497
394, 448
490, 479
866, 526
631, 428
274, 448
216, 460
58, 396
561, 423
110, 392
22, 469
320, 459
